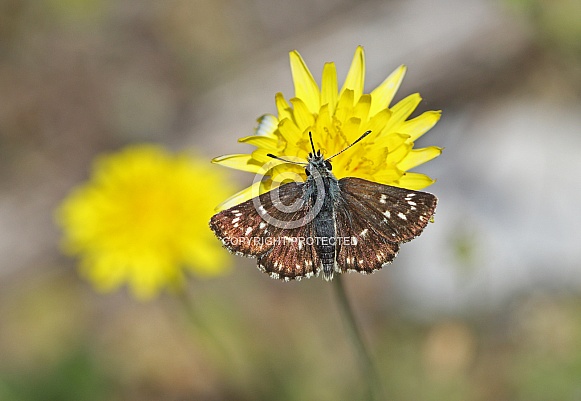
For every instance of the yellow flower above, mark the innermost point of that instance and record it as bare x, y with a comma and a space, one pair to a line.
337, 118
142, 219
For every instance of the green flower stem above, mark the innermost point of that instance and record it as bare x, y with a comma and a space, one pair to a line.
212, 342
371, 374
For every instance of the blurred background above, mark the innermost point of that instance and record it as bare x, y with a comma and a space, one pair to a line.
486, 305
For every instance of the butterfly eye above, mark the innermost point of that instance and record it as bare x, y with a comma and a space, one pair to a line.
328, 165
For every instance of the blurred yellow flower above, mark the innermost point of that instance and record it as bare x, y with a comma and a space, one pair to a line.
337, 118
142, 219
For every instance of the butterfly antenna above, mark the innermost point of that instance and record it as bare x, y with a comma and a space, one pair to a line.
285, 160
358, 139
312, 144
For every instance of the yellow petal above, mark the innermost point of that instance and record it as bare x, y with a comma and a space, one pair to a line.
391, 141
303, 117
260, 157
261, 142
361, 110
238, 162
401, 111
399, 153
298, 149
351, 131
377, 122
305, 86
283, 108
283, 175
419, 156
329, 87
323, 123
418, 126
415, 181
382, 96
387, 143
344, 106
388, 175
289, 131
356, 76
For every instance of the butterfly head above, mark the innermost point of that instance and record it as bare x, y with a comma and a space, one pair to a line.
317, 163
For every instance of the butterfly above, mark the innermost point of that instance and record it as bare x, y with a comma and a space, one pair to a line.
324, 225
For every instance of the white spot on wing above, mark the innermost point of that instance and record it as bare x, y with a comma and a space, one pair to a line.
402, 216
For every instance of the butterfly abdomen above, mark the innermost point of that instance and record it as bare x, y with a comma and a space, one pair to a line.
325, 232
325, 245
